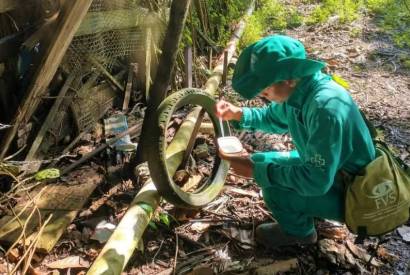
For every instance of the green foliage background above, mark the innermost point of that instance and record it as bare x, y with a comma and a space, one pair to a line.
211, 22
393, 16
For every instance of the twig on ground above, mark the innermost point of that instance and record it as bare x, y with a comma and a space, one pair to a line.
32, 244
159, 249
176, 253
212, 220
265, 212
16, 153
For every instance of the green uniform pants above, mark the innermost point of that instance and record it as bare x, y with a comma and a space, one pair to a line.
295, 213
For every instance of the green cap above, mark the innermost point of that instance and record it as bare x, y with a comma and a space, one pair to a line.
271, 60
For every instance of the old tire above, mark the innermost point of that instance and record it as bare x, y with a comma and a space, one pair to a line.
156, 148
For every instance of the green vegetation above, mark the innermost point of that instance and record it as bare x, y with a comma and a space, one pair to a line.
210, 22
347, 11
394, 18
270, 15
393, 15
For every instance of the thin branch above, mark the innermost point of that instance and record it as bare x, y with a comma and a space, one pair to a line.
176, 253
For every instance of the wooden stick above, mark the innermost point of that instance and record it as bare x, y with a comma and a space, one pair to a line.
225, 69
191, 141
69, 19
176, 253
188, 67
104, 71
49, 120
210, 59
99, 149
133, 68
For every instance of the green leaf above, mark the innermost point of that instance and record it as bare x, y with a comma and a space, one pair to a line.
51, 173
153, 225
148, 208
164, 218
339, 80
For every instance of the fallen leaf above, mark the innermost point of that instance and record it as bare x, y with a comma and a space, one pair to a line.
385, 255
13, 255
361, 254
192, 183
184, 214
404, 232
84, 149
103, 231
336, 253
180, 177
242, 192
336, 233
278, 266
242, 235
69, 262
200, 227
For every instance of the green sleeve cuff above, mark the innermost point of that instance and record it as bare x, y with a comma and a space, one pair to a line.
246, 119
260, 173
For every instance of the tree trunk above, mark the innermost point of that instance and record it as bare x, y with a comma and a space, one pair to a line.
158, 91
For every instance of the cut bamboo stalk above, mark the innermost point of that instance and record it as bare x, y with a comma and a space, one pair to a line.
69, 20
120, 247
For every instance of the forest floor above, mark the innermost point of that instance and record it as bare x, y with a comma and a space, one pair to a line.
218, 239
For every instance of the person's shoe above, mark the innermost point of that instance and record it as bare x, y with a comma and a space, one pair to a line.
271, 235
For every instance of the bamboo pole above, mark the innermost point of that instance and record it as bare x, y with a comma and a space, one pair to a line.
69, 20
120, 247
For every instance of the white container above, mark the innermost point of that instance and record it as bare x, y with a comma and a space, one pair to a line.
230, 145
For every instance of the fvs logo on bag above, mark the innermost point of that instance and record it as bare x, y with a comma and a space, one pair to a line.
384, 194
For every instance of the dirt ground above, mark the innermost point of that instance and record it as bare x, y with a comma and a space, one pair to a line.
219, 238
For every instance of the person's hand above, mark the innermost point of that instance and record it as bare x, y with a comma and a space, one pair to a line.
228, 111
241, 163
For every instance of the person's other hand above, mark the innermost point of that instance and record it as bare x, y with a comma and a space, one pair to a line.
241, 163
228, 111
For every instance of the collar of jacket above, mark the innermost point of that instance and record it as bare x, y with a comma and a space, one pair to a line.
305, 87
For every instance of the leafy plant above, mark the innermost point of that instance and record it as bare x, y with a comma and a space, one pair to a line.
346, 10
271, 15
394, 18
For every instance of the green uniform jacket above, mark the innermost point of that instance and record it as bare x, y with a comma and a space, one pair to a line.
327, 129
